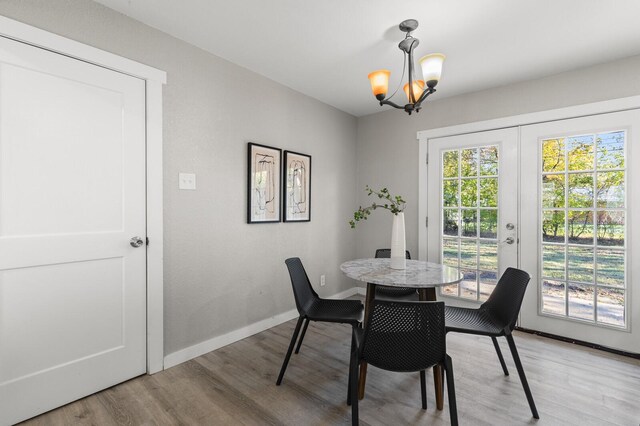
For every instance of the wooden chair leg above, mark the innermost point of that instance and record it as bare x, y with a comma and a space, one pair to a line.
304, 331
423, 389
438, 384
523, 378
288, 356
500, 357
451, 391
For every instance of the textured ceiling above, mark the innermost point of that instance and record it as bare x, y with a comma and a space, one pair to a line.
326, 48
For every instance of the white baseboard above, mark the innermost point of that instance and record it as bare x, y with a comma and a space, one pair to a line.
344, 294
218, 342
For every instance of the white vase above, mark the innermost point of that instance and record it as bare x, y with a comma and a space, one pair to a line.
398, 243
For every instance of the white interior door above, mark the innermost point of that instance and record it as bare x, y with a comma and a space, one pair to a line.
473, 209
580, 205
72, 194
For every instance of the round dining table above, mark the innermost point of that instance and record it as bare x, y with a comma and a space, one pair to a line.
421, 275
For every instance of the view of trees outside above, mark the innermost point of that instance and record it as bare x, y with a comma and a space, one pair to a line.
583, 227
470, 219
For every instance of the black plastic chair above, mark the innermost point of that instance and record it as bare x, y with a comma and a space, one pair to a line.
405, 337
312, 308
394, 293
497, 317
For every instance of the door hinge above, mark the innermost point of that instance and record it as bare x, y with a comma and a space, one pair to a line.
426, 221
147, 240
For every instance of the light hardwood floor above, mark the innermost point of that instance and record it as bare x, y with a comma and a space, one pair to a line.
572, 385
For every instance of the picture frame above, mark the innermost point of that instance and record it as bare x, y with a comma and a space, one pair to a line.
264, 184
296, 190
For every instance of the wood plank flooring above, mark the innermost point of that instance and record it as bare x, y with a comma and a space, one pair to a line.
235, 385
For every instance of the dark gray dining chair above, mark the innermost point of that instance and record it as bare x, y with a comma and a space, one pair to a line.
403, 337
312, 308
496, 318
394, 293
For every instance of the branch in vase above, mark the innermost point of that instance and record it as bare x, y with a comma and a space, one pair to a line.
395, 205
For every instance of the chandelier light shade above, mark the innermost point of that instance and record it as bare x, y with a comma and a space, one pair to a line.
432, 67
415, 90
418, 88
380, 83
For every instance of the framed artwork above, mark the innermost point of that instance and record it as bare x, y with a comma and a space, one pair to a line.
297, 187
263, 184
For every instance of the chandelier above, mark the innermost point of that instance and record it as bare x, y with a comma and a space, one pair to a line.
414, 89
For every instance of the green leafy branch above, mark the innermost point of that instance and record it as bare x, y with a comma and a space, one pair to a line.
394, 204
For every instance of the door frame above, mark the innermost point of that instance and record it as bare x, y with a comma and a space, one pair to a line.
154, 80
423, 136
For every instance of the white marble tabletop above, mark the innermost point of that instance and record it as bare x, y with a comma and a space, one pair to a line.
419, 274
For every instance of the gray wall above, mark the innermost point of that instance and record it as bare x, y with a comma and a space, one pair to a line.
388, 149
220, 273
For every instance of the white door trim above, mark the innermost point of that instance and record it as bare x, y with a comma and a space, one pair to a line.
35, 36
423, 136
154, 80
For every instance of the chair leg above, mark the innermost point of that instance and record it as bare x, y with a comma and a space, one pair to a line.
351, 361
451, 391
286, 358
500, 357
523, 378
353, 375
423, 389
304, 331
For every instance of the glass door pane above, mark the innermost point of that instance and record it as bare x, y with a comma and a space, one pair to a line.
470, 219
583, 230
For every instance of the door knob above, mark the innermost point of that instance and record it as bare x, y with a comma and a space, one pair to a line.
136, 242
509, 240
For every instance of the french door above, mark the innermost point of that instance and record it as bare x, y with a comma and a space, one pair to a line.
580, 201
473, 209
72, 196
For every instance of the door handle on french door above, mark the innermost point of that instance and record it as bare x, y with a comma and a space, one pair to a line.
509, 240
136, 242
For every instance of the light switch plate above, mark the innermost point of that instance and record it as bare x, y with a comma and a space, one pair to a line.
187, 181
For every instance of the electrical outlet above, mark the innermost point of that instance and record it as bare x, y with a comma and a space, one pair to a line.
322, 282
187, 181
